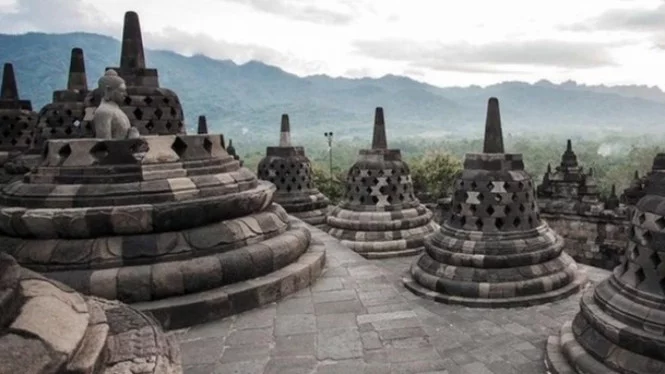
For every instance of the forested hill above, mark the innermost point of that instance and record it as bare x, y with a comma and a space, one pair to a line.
250, 98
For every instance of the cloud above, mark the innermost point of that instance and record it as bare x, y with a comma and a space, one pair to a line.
303, 10
55, 15
486, 57
641, 20
174, 39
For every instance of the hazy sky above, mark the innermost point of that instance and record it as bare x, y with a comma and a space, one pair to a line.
443, 42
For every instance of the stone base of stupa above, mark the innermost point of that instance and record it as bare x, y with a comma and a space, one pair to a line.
311, 207
486, 302
581, 341
376, 235
495, 270
168, 223
200, 307
52, 328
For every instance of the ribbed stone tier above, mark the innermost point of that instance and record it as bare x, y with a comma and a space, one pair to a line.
153, 110
47, 327
380, 215
621, 324
60, 119
494, 250
147, 219
289, 169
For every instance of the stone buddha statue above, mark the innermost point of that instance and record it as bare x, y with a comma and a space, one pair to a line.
109, 120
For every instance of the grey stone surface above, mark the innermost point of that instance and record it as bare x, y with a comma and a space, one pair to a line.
358, 318
50, 328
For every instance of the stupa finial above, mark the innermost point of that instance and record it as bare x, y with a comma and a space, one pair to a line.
493, 134
203, 125
77, 79
549, 168
569, 146
285, 132
132, 55
379, 140
9, 89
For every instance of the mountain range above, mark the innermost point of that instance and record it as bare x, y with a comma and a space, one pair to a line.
249, 98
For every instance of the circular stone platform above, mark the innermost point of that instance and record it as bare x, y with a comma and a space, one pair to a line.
380, 216
49, 328
290, 170
621, 324
494, 250
157, 220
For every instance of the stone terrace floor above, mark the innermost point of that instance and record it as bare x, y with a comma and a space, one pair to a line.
358, 318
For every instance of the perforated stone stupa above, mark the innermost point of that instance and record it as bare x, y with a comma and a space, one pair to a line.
17, 119
494, 250
290, 170
152, 109
60, 119
47, 327
380, 215
621, 324
170, 223
635, 190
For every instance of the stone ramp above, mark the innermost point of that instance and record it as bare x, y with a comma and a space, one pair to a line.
359, 318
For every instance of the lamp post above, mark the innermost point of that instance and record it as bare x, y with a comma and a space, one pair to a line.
329, 136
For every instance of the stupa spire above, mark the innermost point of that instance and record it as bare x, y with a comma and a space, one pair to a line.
379, 140
77, 79
285, 132
549, 168
203, 125
132, 55
493, 134
9, 90
569, 146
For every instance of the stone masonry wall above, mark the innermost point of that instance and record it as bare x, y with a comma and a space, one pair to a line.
593, 240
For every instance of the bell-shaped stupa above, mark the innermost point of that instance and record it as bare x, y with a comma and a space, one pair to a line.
621, 324
171, 223
47, 327
152, 109
380, 215
17, 119
494, 250
287, 167
60, 119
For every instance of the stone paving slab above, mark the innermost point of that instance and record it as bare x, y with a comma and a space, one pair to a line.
359, 318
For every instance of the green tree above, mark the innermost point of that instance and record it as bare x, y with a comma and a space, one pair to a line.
333, 189
434, 173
